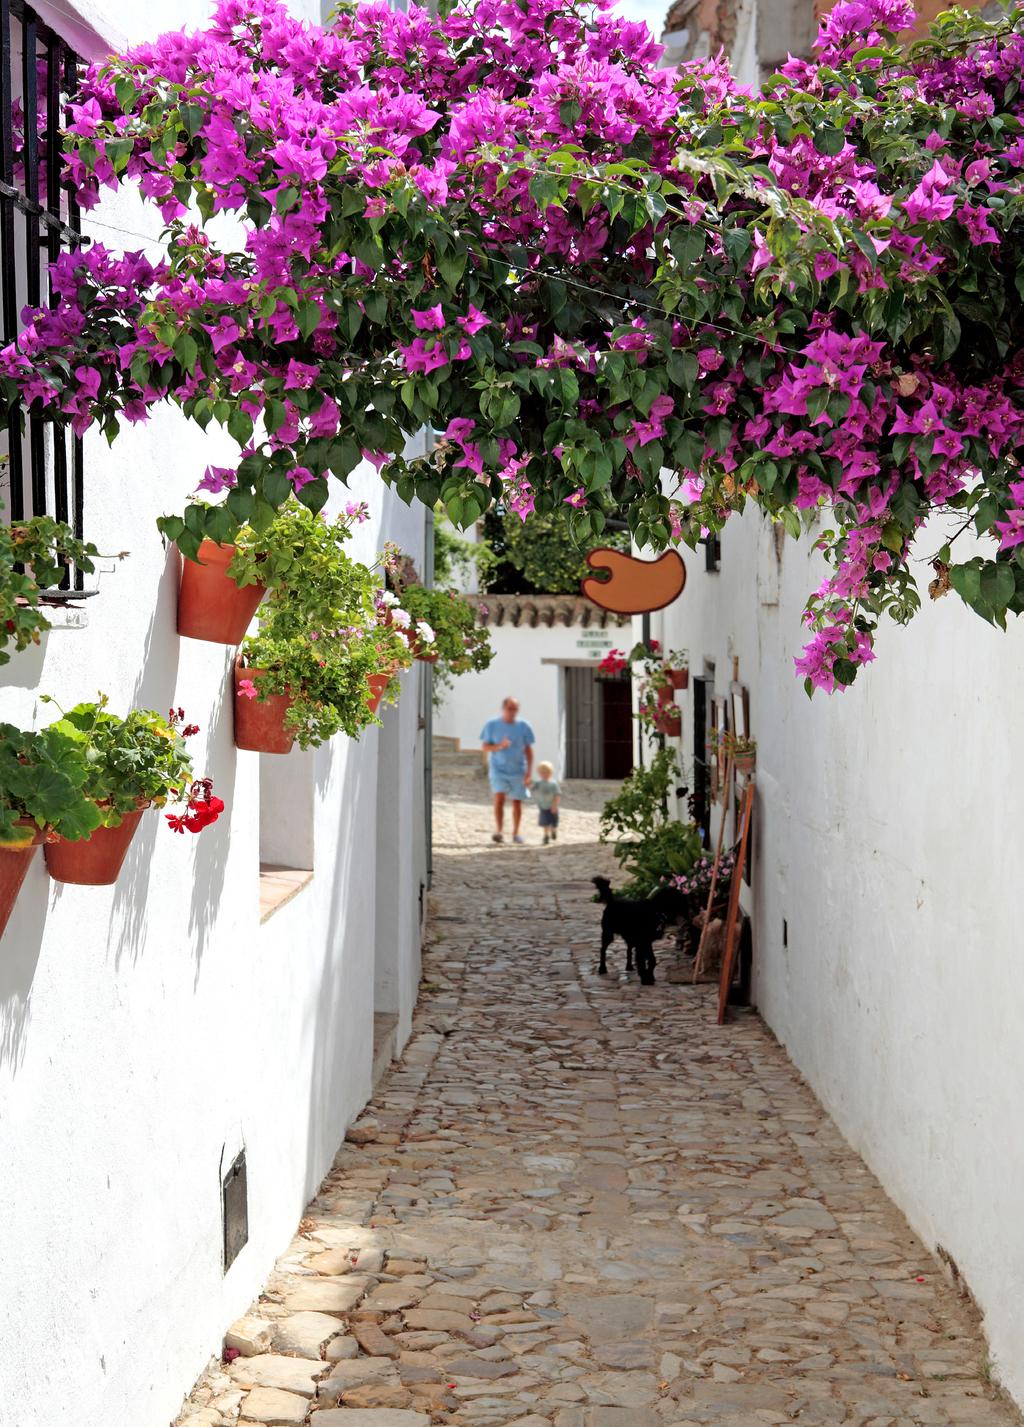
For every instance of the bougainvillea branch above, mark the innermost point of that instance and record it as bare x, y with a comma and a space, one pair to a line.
605, 286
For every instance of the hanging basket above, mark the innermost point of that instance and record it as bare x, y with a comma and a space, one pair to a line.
210, 605
744, 762
259, 723
15, 860
669, 720
93, 861
678, 678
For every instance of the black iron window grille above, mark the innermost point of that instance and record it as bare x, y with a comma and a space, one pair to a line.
44, 471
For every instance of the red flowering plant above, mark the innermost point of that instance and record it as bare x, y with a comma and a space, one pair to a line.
614, 662
135, 761
507, 223
202, 808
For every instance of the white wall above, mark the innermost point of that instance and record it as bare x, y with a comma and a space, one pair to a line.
149, 1030
520, 668
884, 837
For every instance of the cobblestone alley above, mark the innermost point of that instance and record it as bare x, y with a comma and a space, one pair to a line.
577, 1203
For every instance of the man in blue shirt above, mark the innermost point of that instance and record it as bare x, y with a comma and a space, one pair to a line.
509, 742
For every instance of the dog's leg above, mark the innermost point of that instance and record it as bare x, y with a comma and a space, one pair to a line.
629, 956
606, 941
645, 963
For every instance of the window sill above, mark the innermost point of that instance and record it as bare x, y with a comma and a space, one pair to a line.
279, 885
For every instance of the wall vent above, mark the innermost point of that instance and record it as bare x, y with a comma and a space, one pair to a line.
235, 1206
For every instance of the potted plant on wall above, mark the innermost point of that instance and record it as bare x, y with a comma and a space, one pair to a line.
42, 775
35, 556
311, 686
440, 626
742, 751
321, 661
132, 763
223, 585
676, 668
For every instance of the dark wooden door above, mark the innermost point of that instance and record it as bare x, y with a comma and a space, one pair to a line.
583, 724
618, 727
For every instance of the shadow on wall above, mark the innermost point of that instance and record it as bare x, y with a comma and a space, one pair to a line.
19, 957
154, 689
213, 847
346, 973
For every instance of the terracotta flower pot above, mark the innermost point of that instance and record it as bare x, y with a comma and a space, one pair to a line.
93, 861
669, 720
210, 605
744, 762
259, 723
378, 687
678, 678
15, 861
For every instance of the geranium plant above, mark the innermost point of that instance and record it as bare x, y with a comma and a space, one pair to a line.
134, 761
509, 224
614, 663
43, 776
442, 624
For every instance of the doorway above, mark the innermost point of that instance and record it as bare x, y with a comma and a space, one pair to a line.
598, 724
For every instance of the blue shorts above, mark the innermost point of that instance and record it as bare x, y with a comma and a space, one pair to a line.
511, 784
548, 817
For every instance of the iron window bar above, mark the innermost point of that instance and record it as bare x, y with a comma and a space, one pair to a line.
46, 469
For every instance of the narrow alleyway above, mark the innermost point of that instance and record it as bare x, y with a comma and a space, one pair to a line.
578, 1203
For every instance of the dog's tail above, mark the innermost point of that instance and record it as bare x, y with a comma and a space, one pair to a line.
604, 888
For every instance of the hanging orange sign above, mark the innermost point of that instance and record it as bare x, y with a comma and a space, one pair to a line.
634, 586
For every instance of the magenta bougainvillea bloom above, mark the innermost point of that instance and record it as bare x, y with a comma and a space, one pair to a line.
608, 285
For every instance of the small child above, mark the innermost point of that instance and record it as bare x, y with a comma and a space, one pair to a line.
547, 795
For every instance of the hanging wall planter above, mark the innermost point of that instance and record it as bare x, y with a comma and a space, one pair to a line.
93, 861
260, 723
669, 720
210, 605
15, 860
678, 678
378, 688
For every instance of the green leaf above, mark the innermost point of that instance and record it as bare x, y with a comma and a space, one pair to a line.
192, 117
240, 426
687, 242
275, 486
998, 584
186, 349
828, 140
966, 580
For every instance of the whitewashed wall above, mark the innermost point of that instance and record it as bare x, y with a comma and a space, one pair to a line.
886, 840
150, 1030
525, 665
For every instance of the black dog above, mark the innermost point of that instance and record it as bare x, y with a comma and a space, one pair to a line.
638, 923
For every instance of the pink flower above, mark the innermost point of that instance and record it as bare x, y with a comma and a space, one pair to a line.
473, 321
246, 688
418, 357
430, 319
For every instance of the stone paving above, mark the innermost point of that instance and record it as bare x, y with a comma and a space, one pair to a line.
576, 1202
